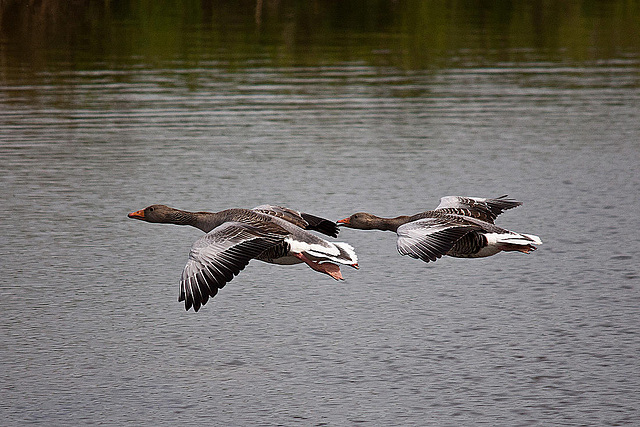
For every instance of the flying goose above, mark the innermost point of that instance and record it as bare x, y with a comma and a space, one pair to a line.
268, 233
460, 227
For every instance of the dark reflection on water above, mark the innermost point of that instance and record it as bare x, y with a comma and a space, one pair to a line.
406, 34
328, 107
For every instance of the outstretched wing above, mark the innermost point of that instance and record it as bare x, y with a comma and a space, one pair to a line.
430, 238
303, 220
476, 207
220, 255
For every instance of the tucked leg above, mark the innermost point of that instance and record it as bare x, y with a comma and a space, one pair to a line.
520, 248
325, 267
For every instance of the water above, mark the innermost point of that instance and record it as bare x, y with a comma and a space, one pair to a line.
91, 331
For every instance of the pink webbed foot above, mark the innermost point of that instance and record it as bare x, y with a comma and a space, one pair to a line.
325, 267
507, 247
330, 269
527, 249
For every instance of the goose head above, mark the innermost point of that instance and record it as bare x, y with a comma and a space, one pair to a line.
362, 221
158, 213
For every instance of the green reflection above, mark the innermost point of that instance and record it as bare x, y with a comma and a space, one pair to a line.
43, 34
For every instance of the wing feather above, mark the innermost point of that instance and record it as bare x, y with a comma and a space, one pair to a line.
301, 219
430, 238
220, 255
477, 207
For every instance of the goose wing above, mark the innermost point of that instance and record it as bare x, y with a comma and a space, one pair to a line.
477, 207
220, 255
301, 219
430, 238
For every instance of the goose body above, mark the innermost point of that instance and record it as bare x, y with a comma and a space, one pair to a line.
461, 227
268, 233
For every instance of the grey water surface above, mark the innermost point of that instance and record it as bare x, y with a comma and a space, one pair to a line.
90, 328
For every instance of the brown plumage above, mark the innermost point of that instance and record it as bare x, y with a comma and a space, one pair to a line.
235, 236
461, 227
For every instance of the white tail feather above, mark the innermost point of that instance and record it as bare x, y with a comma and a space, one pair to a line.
536, 239
345, 253
348, 253
514, 239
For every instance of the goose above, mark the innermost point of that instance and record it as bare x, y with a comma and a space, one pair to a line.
461, 227
272, 234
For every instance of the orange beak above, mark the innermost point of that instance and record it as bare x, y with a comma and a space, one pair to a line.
343, 221
137, 214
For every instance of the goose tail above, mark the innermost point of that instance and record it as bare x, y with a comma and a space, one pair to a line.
513, 241
340, 252
535, 239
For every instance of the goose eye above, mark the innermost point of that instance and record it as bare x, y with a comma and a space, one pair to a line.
151, 209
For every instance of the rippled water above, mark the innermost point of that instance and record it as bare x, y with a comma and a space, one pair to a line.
91, 329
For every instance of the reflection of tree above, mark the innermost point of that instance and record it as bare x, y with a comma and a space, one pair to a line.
258, 13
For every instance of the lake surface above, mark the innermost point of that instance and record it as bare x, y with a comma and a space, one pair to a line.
329, 111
